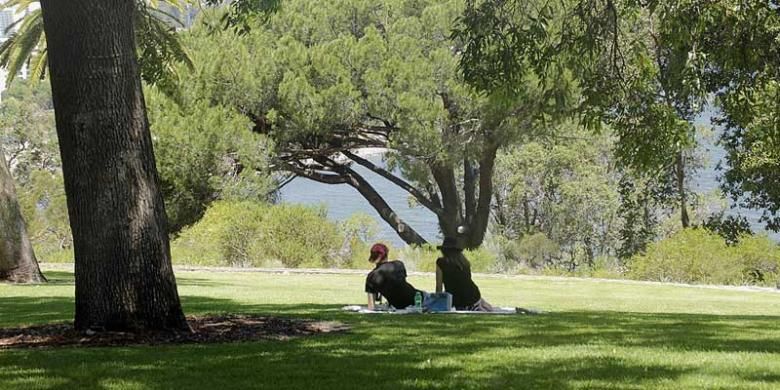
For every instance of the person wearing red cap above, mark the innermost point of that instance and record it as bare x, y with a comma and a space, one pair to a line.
388, 279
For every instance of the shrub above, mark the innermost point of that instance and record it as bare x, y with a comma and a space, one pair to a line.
529, 254
359, 232
254, 234
760, 259
700, 256
221, 236
298, 236
423, 259
482, 260
420, 259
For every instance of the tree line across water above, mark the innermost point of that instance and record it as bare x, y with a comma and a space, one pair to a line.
560, 137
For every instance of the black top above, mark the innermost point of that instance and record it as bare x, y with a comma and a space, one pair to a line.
389, 279
457, 281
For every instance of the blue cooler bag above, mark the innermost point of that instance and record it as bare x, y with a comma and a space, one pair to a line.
436, 302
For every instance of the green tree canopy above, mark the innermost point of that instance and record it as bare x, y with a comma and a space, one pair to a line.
648, 68
326, 80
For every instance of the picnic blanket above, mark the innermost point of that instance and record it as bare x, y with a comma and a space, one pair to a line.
496, 311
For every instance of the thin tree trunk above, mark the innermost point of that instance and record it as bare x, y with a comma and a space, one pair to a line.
344, 175
124, 278
681, 190
452, 216
17, 258
479, 226
406, 232
470, 175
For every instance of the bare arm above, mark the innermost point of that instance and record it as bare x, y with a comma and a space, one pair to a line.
439, 280
371, 298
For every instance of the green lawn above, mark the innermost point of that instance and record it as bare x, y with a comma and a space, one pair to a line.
594, 335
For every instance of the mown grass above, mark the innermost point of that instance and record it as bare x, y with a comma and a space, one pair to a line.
594, 335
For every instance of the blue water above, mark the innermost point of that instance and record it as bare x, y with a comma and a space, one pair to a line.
343, 201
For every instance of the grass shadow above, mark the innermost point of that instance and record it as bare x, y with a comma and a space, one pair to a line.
396, 351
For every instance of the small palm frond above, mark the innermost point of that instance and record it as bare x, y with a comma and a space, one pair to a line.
21, 45
20, 5
38, 64
158, 46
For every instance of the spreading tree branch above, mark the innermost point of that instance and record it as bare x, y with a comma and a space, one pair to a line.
416, 193
313, 174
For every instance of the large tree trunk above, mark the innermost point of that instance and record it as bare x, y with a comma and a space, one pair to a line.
478, 194
17, 259
124, 279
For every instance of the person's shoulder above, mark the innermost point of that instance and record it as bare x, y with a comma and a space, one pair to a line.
387, 265
441, 260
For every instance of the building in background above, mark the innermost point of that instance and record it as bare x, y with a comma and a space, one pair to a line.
184, 18
8, 17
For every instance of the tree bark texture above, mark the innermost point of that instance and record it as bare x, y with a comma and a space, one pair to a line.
680, 172
124, 278
17, 258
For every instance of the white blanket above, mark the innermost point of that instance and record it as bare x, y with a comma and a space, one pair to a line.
496, 310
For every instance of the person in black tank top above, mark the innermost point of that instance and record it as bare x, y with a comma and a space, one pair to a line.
388, 280
453, 272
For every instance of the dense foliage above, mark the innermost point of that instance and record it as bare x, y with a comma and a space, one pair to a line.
506, 149
648, 69
255, 234
559, 198
325, 80
205, 153
698, 256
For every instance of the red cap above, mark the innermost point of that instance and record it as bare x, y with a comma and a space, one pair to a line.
379, 251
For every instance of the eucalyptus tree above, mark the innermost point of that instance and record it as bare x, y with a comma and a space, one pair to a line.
564, 188
17, 258
328, 79
26, 132
647, 68
635, 73
124, 278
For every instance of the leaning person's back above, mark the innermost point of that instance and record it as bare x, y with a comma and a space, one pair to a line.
456, 275
389, 280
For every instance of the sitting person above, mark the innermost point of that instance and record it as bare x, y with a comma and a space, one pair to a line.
453, 272
388, 279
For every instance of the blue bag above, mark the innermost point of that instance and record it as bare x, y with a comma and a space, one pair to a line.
437, 302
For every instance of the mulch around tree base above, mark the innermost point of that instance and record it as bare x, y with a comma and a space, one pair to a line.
205, 329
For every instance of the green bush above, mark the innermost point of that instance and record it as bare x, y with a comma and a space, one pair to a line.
760, 259
420, 259
423, 259
699, 256
359, 232
254, 234
298, 236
